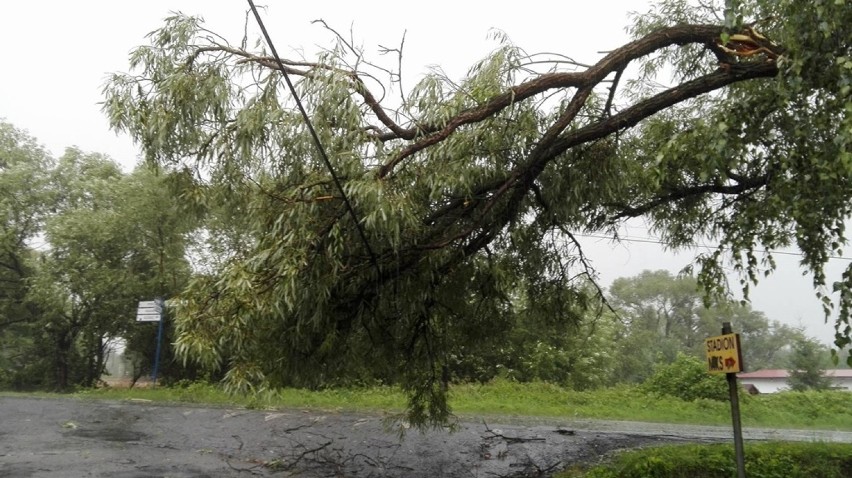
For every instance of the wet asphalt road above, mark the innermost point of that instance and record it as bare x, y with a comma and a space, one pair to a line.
52, 438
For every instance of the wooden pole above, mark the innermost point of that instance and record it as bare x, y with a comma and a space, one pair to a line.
735, 413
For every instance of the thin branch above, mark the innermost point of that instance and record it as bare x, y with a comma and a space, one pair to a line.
739, 188
607, 111
399, 51
509, 439
565, 59
339, 37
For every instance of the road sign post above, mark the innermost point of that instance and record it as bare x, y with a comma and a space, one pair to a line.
724, 355
161, 306
152, 311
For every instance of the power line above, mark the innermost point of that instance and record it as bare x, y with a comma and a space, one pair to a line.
663, 243
314, 135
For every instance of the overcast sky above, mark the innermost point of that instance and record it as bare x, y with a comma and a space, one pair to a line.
57, 55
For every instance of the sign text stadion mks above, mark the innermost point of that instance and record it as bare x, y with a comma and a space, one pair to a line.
724, 354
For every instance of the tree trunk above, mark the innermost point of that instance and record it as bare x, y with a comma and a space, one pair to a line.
61, 362
94, 361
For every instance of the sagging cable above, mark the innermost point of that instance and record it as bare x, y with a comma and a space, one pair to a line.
315, 137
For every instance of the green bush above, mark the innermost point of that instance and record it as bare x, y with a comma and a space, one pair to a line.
686, 378
829, 409
763, 460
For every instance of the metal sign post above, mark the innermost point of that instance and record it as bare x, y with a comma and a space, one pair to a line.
160, 305
724, 355
152, 311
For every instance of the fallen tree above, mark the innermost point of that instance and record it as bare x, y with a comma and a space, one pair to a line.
460, 197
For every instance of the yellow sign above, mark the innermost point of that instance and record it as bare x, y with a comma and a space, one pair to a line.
723, 354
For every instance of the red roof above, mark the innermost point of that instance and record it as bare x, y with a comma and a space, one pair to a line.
839, 373
766, 373
781, 373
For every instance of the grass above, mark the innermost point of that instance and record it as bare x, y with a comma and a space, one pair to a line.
340, 399
810, 410
762, 460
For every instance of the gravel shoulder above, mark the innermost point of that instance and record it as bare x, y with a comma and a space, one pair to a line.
49, 437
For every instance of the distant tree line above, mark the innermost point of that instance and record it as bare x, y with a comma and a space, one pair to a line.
655, 318
81, 242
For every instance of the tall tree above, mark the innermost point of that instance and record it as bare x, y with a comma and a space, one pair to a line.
507, 162
83, 280
80, 243
808, 363
766, 343
25, 200
662, 316
114, 239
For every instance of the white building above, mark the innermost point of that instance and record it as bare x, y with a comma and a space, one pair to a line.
775, 380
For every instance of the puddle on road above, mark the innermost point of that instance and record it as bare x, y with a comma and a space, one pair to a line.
109, 423
149, 471
109, 434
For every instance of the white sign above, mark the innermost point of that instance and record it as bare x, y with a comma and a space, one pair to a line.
150, 304
149, 311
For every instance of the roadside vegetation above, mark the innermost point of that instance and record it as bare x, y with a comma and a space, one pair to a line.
808, 410
763, 460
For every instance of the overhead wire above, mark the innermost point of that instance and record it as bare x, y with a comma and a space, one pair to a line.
315, 137
663, 243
